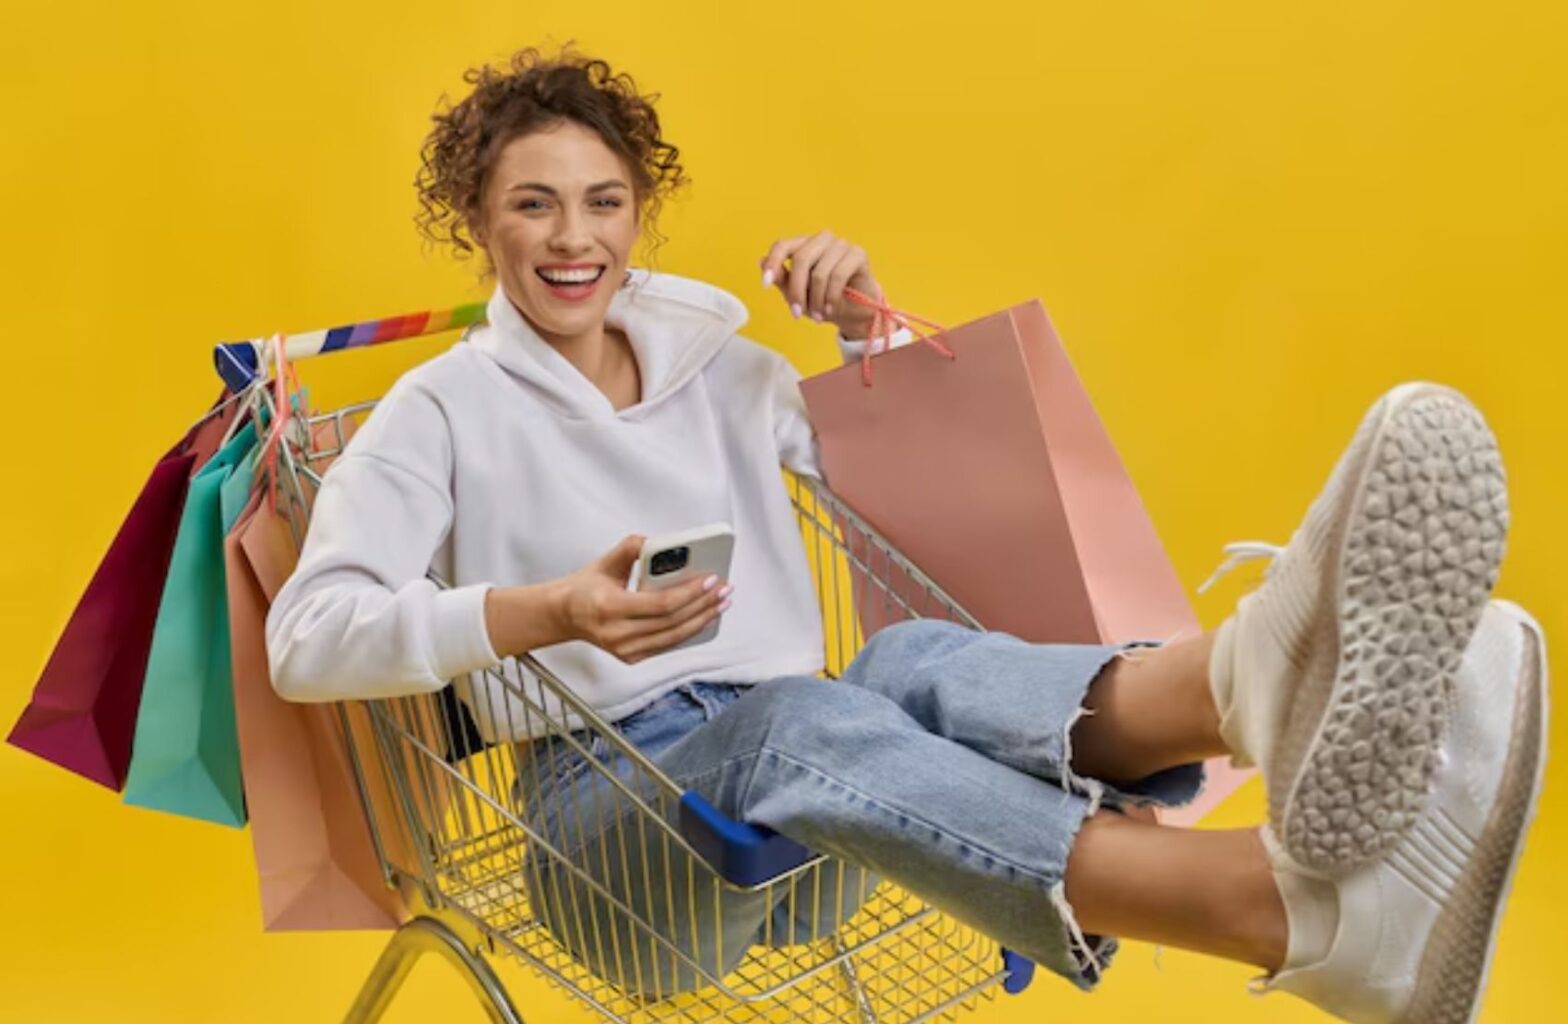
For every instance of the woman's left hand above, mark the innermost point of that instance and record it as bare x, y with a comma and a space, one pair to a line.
820, 267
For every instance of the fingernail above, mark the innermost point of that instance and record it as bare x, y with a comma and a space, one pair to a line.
710, 583
767, 279
816, 316
828, 309
724, 607
729, 588
794, 308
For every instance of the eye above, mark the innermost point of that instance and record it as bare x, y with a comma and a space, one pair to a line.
530, 204
612, 203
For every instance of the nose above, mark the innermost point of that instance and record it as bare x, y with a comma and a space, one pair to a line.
571, 234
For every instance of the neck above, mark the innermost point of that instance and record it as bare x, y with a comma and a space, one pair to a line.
589, 352
604, 356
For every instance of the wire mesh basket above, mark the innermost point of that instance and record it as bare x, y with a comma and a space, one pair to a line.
597, 874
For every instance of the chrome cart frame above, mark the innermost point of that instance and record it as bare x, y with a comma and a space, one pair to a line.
481, 877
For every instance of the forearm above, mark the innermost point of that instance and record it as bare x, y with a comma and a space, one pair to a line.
526, 618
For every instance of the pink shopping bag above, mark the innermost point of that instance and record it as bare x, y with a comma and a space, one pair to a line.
991, 471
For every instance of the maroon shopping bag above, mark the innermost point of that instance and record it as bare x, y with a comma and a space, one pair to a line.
82, 714
992, 473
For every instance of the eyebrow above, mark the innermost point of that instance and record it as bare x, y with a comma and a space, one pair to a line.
547, 190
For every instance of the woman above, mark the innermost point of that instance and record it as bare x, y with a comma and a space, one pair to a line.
1396, 717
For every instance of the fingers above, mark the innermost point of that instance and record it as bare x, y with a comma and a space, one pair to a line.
678, 617
657, 604
797, 280
802, 266
654, 643
838, 267
813, 283
773, 270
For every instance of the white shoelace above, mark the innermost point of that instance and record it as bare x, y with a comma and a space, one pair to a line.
1240, 553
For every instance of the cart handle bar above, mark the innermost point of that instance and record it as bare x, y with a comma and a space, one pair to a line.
241, 363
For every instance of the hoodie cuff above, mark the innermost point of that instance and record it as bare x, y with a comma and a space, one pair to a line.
460, 643
852, 350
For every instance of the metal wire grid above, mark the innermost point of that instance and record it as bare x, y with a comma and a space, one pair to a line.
449, 817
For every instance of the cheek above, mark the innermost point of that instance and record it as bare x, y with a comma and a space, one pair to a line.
514, 244
624, 234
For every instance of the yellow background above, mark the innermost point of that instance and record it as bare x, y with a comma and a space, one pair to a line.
1246, 219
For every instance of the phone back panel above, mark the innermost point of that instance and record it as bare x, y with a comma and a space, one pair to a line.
710, 556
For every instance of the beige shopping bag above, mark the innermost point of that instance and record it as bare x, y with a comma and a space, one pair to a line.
315, 860
309, 783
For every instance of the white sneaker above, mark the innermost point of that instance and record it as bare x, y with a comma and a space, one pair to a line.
1334, 676
1410, 939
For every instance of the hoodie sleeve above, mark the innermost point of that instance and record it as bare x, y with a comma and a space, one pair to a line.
358, 619
792, 431
852, 350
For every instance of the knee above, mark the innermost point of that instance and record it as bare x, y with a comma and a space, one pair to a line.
799, 715
891, 659
802, 699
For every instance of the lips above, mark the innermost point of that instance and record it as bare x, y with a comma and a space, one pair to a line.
571, 291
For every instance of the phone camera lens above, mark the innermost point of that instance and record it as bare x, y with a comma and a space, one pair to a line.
670, 560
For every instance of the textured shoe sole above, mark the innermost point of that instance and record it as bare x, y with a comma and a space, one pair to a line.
1418, 556
1458, 960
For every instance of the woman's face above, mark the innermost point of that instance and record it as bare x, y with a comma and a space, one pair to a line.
559, 205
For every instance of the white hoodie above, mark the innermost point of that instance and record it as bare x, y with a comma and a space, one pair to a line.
498, 463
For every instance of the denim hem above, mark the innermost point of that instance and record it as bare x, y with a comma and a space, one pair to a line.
1090, 955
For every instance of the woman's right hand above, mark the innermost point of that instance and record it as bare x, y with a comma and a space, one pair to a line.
630, 625
593, 604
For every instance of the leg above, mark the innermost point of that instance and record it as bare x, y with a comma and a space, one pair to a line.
1137, 719
1144, 881
622, 896
1149, 710
846, 772
1400, 728
611, 886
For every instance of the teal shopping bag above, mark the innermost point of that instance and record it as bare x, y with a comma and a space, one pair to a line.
185, 757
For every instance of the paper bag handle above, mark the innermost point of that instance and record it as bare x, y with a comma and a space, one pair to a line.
885, 318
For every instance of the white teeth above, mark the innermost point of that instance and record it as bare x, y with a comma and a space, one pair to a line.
571, 276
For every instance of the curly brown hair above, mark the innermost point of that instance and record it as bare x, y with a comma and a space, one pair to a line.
528, 92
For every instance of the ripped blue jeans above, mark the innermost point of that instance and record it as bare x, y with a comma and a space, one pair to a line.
939, 761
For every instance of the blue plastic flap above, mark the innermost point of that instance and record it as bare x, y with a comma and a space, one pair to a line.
1020, 972
742, 854
236, 363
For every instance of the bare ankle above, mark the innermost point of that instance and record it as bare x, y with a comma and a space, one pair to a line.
1101, 747
1266, 927
1149, 709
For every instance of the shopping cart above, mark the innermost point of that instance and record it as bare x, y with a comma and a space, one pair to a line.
482, 876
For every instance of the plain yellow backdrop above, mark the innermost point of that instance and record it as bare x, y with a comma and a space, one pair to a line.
1247, 221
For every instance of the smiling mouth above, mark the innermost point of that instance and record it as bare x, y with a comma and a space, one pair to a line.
577, 280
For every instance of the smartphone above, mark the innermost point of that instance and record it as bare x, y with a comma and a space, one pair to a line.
675, 558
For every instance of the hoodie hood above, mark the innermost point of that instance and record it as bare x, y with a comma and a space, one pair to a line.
676, 326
